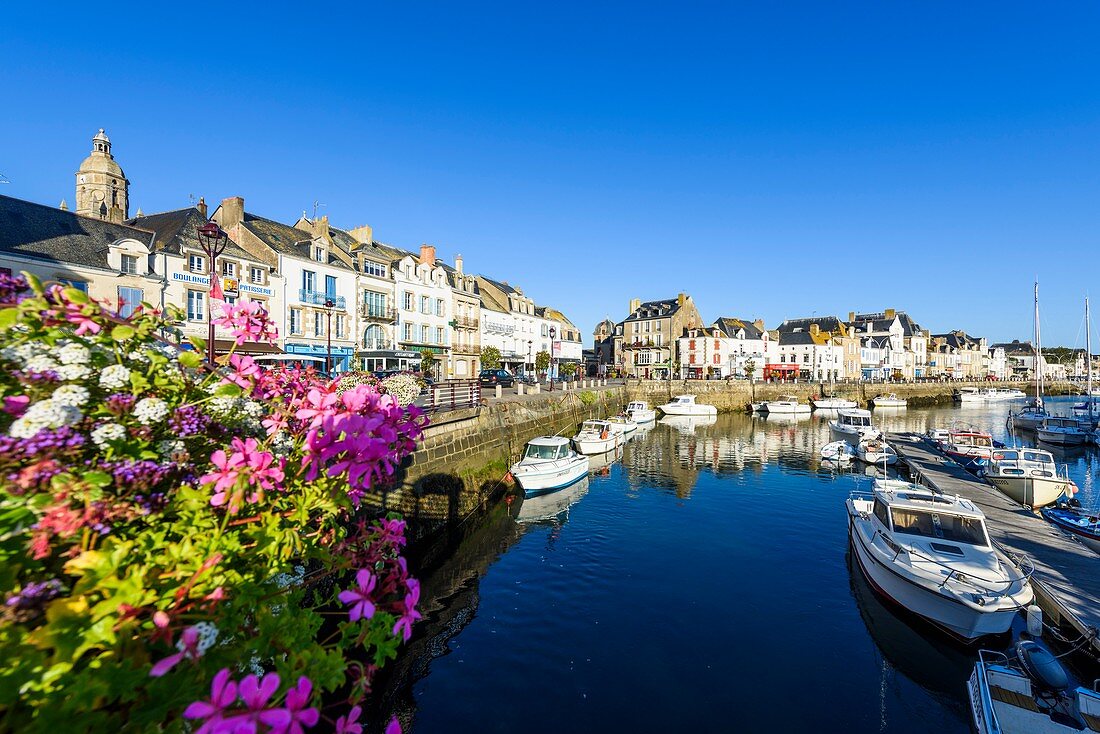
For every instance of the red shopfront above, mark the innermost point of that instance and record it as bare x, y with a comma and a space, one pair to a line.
780, 371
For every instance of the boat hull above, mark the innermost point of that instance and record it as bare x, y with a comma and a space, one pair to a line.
642, 416
787, 408
590, 446
834, 404
1062, 438
694, 410
1089, 536
552, 479
953, 617
1031, 491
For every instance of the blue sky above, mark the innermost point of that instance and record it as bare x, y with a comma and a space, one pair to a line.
773, 160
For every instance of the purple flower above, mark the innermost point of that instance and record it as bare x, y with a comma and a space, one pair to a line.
394, 727
119, 403
350, 724
11, 286
359, 598
34, 595
296, 711
190, 640
223, 692
47, 442
188, 420
137, 475
410, 615
255, 693
392, 531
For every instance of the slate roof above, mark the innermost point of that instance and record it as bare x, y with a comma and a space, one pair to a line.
286, 239
730, 325
175, 231
452, 279
959, 340
793, 338
492, 297
879, 323
1015, 347
825, 323
46, 233
654, 310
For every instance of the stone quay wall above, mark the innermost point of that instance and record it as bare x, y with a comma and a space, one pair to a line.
465, 455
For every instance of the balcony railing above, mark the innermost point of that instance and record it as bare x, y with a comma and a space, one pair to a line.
378, 313
466, 322
318, 298
466, 349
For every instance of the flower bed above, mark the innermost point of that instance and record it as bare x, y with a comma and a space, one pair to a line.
182, 548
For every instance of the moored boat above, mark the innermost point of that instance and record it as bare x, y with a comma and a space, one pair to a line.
876, 451
931, 554
889, 400
598, 436
548, 464
1062, 431
841, 452
833, 403
853, 425
1029, 693
970, 448
1081, 525
1029, 476
624, 423
787, 404
640, 412
686, 405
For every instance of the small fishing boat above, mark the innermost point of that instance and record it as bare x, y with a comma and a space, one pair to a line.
1081, 525
640, 412
1029, 693
1029, 476
686, 405
876, 451
1062, 431
889, 400
1030, 417
853, 425
759, 407
971, 448
841, 452
628, 426
597, 437
787, 404
833, 403
548, 464
930, 554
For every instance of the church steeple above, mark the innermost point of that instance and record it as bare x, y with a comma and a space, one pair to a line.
102, 190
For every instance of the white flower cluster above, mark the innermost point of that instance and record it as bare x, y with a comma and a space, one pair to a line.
138, 356
74, 372
40, 363
47, 413
404, 388
292, 578
73, 395
149, 411
106, 432
174, 450
20, 353
239, 413
73, 353
208, 635
115, 377
282, 444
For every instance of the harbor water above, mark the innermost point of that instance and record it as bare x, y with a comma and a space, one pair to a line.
700, 581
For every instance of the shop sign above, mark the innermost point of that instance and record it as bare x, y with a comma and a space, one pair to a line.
229, 285
192, 278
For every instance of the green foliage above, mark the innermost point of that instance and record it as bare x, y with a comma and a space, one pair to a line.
490, 358
542, 361
587, 397
427, 359
568, 369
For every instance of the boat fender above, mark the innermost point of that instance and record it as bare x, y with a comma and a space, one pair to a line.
603, 434
1042, 667
1034, 620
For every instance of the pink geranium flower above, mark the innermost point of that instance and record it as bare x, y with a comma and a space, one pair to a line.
297, 713
245, 462
350, 724
223, 692
409, 614
190, 650
394, 727
248, 322
359, 597
255, 694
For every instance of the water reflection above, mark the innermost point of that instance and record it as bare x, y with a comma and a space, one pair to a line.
552, 508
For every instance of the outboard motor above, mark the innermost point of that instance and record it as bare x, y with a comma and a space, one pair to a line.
1046, 673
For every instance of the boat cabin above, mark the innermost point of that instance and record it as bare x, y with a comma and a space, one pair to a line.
547, 448
682, 400
1062, 423
1021, 462
967, 438
637, 405
933, 516
857, 418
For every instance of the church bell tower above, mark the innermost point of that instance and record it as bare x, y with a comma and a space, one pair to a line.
102, 190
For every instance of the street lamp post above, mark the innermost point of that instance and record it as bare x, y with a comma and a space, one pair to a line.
553, 333
529, 357
213, 241
329, 305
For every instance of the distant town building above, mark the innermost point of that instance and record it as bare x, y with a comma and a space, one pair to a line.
646, 340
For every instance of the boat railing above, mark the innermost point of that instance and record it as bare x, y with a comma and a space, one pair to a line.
1027, 568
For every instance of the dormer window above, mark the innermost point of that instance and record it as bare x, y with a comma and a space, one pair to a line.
129, 265
319, 253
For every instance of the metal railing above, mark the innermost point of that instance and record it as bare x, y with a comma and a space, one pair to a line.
466, 322
453, 394
319, 298
377, 313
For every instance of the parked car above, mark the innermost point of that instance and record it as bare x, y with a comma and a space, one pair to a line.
492, 378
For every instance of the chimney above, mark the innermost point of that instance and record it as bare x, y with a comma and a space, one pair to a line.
815, 329
232, 212
635, 304
759, 324
851, 317
680, 299
322, 227
890, 313
201, 206
362, 234
427, 255
458, 264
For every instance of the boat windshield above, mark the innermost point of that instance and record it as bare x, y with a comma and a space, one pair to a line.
1038, 457
537, 451
857, 420
957, 529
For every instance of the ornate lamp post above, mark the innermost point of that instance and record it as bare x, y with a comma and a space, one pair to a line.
553, 333
212, 240
329, 305
529, 357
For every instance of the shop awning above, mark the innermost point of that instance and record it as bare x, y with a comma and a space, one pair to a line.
222, 346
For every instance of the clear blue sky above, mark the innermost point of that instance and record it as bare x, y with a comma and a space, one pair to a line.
773, 160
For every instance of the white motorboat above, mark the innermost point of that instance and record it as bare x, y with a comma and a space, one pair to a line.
1029, 694
1029, 476
841, 452
889, 400
1029, 418
969, 395
853, 426
787, 404
686, 405
938, 436
598, 436
759, 407
640, 412
688, 423
930, 554
1062, 431
970, 448
548, 464
1013, 393
628, 426
833, 403
551, 505
876, 451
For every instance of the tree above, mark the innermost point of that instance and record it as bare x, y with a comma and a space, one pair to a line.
750, 368
542, 361
490, 358
567, 369
427, 359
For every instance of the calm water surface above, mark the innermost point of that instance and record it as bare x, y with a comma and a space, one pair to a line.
701, 582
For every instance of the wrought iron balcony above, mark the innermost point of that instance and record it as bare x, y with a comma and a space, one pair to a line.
373, 312
319, 298
466, 348
465, 322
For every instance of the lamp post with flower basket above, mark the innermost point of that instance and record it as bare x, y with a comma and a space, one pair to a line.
213, 242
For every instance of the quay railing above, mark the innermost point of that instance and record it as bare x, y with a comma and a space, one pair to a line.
453, 395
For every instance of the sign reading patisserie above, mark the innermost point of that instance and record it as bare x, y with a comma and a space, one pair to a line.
231, 285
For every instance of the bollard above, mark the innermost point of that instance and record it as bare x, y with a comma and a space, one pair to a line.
537, 388
499, 393
519, 388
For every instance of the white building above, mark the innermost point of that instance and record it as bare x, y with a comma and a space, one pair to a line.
423, 307
730, 347
814, 354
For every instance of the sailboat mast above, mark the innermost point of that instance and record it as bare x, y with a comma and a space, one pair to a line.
1038, 349
1088, 357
